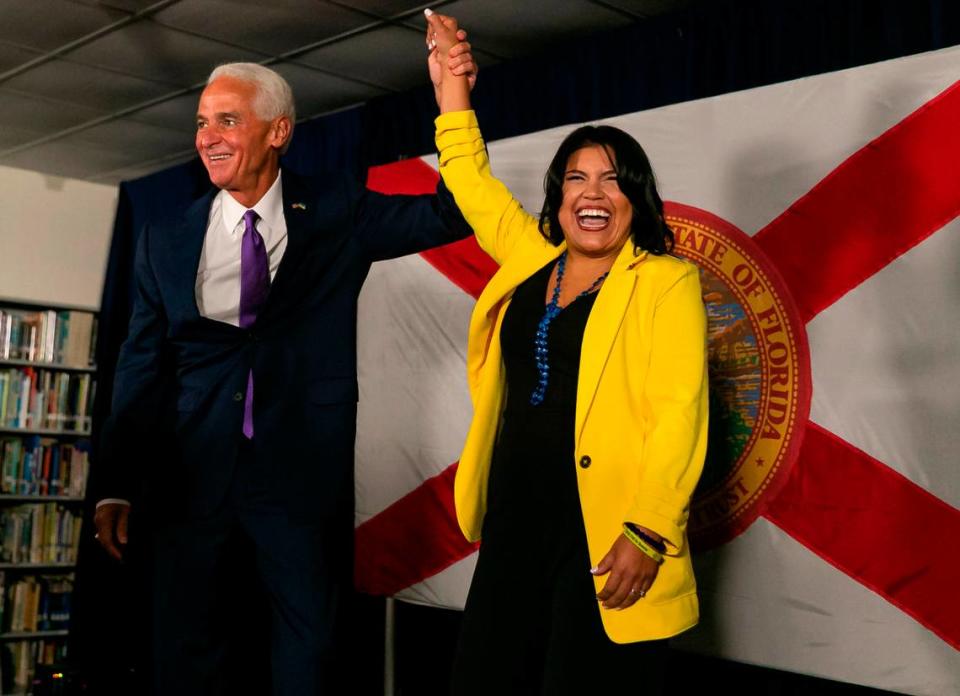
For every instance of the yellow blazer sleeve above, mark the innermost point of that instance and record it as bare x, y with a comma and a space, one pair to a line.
675, 400
497, 218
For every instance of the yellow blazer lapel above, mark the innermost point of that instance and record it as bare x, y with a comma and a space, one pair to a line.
602, 327
520, 265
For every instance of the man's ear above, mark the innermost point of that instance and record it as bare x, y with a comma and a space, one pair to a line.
280, 132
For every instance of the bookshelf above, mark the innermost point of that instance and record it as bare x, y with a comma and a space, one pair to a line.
47, 387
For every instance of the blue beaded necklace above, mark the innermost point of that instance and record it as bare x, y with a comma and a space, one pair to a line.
553, 308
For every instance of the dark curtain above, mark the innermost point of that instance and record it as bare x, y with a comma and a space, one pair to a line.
711, 48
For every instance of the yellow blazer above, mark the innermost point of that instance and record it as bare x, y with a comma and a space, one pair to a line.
641, 416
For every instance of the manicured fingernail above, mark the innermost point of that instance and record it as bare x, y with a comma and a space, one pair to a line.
427, 12
594, 570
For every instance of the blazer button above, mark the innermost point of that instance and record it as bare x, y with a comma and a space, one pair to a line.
584, 461
238, 396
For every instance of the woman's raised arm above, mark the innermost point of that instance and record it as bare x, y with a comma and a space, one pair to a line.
497, 218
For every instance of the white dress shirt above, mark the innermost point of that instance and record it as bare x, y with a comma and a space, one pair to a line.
218, 275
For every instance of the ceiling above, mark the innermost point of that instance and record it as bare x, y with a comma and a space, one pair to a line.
105, 90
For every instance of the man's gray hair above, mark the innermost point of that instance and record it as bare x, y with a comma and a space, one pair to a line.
274, 97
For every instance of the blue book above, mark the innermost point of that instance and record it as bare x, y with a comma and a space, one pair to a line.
55, 486
32, 461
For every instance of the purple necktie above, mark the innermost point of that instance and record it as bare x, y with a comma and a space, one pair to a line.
254, 285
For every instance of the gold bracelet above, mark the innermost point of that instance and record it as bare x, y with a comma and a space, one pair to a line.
642, 545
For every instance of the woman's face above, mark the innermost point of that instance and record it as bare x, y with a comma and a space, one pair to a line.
595, 214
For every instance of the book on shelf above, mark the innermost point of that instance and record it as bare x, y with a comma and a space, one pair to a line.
42, 399
18, 661
45, 533
64, 337
55, 603
43, 466
37, 604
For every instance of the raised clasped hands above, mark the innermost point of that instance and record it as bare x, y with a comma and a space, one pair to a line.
632, 574
447, 44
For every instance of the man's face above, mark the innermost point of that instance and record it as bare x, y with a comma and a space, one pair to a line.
239, 149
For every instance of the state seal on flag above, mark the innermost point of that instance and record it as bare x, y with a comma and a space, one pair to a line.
759, 366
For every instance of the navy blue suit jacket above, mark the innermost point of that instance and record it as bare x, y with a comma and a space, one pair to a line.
180, 379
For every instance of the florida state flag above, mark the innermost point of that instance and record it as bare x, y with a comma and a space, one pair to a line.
822, 213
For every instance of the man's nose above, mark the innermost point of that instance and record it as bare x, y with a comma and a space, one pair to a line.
208, 136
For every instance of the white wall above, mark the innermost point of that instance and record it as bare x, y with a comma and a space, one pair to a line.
54, 237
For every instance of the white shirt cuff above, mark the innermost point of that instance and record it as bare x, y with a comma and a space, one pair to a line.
113, 501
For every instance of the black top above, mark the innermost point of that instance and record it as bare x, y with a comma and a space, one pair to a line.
531, 624
533, 487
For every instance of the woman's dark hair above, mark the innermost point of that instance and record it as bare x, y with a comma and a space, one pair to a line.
648, 230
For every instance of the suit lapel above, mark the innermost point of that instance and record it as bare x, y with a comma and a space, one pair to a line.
602, 327
520, 265
185, 247
300, 213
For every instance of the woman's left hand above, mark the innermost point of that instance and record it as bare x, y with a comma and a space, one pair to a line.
632, 573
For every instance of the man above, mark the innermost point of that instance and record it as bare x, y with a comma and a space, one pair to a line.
234, 403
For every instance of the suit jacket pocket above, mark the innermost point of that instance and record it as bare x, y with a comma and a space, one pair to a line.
335, 390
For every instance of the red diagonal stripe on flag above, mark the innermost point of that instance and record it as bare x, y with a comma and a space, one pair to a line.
882, 201
876, 526
464, 262
413, 539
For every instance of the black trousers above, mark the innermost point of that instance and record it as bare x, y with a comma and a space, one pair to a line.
304, 568
544, 635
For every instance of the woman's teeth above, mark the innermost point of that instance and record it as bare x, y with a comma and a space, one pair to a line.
593, 218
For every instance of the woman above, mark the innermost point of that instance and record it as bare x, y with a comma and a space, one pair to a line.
587, 368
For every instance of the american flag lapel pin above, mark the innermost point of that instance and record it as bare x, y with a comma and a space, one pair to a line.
298, 206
